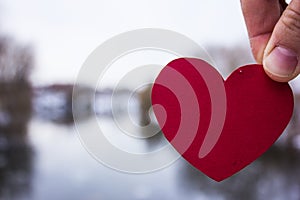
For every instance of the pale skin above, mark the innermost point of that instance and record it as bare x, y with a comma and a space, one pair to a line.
274, 34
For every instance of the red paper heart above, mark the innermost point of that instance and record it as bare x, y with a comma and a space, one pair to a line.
220, 126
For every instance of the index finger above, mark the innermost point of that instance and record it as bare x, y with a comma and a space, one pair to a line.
261, 17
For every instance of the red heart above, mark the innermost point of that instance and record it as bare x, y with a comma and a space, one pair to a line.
220, 126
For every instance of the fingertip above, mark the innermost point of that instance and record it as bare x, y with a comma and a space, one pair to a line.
275, 77
279, 78
258, 45
282, 54
281, 64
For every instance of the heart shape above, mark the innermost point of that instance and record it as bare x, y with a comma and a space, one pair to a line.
220, 126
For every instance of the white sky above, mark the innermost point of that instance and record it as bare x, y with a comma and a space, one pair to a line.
64, 32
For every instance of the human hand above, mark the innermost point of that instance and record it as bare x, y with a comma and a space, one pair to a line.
274, 33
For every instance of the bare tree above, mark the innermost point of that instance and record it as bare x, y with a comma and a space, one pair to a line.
16, 61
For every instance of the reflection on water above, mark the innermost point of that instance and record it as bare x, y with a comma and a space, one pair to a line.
41, 157
274, 176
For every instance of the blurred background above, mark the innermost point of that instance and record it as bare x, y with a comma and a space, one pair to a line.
42, 47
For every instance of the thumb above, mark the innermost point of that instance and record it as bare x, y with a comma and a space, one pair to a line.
281, 56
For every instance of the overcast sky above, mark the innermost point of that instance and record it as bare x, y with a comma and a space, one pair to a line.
64, 32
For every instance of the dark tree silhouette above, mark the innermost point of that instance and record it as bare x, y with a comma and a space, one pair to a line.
15, 110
